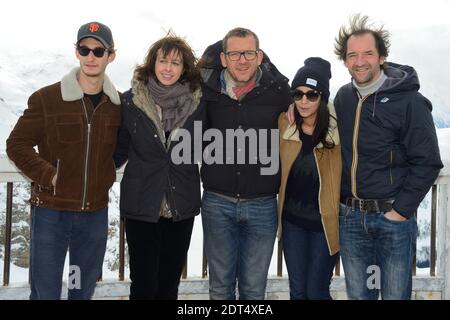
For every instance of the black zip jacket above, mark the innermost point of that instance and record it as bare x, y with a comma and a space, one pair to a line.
259, 109
389, 144
150, 173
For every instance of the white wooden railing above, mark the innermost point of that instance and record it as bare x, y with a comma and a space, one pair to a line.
435, 285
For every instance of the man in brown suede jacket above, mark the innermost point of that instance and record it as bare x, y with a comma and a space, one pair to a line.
74, 125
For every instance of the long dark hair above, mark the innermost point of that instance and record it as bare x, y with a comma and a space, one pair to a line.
321, 125
168, 44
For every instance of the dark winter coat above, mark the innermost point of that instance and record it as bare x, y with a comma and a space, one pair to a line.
259, 109
389, 144
150, 174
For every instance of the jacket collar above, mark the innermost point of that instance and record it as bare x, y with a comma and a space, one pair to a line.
71, 90
144, 102
291, 132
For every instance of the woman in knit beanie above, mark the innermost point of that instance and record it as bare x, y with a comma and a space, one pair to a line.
308, 207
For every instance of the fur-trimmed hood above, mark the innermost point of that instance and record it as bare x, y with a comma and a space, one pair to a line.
143, 101
71, 90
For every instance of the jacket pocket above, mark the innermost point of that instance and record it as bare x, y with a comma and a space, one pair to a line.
69, 129
391, 164
130, 195
69, 179
397, 164
110, 130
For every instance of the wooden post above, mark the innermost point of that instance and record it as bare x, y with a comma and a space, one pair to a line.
8, 226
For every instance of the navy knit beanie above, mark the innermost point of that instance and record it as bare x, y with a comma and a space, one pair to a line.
315, 74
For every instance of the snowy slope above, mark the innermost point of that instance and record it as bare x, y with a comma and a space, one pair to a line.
7, 120
23, 73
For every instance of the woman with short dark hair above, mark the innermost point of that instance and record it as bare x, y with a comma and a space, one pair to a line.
160, 197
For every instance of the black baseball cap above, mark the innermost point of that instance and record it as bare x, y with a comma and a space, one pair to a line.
98, 31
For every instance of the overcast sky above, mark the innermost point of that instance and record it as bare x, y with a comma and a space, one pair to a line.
289, 31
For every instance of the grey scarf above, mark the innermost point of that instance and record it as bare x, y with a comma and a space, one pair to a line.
175, 101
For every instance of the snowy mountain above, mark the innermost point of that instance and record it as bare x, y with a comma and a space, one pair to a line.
20, 75
23, 73
8, 119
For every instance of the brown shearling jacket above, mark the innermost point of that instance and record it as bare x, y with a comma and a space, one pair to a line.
75, 141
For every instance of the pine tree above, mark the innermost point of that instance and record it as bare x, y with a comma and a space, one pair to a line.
20, 233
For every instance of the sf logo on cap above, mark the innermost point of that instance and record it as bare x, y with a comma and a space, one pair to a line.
93, 27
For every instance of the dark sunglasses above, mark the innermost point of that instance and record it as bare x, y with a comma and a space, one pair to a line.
85, 51
311, 95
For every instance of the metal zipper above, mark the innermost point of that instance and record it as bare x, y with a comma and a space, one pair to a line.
86, 160
57, 173
355, 145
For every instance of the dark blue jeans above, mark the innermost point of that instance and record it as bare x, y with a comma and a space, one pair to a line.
53, 232
377, 254
239, 239
308, 261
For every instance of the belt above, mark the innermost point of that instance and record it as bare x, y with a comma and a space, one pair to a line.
236, 200
368, 205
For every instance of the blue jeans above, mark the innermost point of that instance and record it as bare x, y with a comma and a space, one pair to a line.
308, 261
239, 239
54, 232
377, 254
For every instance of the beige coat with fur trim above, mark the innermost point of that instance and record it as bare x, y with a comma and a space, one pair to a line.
329, 166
